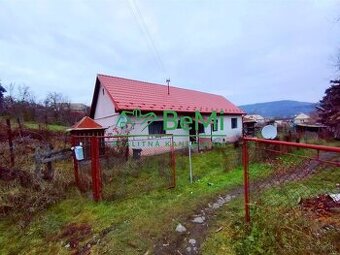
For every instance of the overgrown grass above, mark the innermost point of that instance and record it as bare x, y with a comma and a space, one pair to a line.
279, 226
138, 220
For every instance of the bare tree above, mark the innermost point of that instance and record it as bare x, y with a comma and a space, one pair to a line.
25, 95
10, 92
20, 102
59, 105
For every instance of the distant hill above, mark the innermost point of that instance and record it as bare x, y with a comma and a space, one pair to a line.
281, 109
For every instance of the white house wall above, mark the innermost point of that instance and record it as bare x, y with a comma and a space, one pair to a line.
105, 106
228, 134
106, 116
154, 144
105, 113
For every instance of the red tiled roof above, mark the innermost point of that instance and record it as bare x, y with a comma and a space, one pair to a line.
131, 94
86, 123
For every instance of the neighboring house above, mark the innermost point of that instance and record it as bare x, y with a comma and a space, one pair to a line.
113, 95
249, 126
75, 107
287, 122
278, 122
310, 127
301, 118
256, 117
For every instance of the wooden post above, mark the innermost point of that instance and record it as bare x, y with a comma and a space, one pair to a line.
37, 159
49, 172
245, 158
10, 141
20, 127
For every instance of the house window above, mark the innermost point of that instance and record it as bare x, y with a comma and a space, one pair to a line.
200, 128
103, 92
214, 127
233, 123
156, 128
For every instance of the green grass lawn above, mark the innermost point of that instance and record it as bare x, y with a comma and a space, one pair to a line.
33, 125
51, 127
138, 220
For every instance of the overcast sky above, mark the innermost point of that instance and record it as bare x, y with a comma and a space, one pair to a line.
247, 51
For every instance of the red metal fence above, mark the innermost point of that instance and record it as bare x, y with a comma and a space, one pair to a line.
119, 166
283, 163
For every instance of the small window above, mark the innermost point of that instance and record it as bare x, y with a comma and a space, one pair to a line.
233, 123
156, 128
103, 92
214, 127
200, 128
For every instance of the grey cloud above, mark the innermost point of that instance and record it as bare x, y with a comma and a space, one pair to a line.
248, 51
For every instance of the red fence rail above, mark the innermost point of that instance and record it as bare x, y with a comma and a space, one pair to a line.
245, 160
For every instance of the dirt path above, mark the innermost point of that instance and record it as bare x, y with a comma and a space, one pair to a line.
188, 242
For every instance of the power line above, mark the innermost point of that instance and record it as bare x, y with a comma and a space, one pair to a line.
143, 27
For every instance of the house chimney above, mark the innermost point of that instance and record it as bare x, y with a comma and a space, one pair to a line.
168, 82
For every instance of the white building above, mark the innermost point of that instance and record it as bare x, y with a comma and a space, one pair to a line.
138, 108
301, 118
256, 117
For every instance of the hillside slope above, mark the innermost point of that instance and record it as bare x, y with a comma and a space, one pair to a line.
284, 108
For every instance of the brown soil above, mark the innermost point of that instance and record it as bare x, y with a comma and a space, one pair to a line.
325, 212
322, 208
75, 233
85, 249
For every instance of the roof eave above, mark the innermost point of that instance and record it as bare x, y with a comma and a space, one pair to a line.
72, 129
95, 98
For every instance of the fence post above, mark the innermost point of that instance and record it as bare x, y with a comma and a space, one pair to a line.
173, 163
245, 160
75, 162
10, 141
190, 163
95, 169
20, 127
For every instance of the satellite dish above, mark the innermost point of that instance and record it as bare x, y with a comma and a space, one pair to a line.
269, 132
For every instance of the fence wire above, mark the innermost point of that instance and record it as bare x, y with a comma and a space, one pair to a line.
283, 176
126, 165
